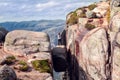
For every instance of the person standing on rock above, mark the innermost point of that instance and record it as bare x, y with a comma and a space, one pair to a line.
59, 39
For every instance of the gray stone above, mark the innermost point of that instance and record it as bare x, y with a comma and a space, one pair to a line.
26, 42
116, 3
7, 73
91, 14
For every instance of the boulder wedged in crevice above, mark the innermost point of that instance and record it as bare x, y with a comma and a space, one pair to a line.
59, 57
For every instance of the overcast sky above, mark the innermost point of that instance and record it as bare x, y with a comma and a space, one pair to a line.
22, 10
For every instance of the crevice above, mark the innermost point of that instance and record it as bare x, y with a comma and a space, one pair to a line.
108, 66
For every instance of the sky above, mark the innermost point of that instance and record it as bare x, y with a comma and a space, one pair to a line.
26, 10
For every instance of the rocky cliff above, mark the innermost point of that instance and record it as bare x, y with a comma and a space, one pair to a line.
92, 49
93, 40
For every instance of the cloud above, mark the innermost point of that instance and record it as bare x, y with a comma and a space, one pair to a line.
4, 4
42, 6
23, 7
71, 5
19, 10
1, 17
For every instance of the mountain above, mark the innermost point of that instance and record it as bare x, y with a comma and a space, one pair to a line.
52, 27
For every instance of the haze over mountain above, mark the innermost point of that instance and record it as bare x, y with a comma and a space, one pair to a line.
52, 27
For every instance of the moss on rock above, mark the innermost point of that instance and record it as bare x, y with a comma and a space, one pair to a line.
41, 65
73, 19
24, 66
10, 59
89, 26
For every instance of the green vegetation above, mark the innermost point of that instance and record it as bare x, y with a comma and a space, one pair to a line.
74, 16
24, 66
69, 13
9, 60
73, 19
41, 65
82, 15
78, 9
92, 6
89, 26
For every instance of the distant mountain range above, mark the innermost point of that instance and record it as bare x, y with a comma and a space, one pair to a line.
52, 27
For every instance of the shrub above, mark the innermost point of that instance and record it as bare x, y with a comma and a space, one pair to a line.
69, 13
89, 26
82, 15
24, 66
8, 60
73, 19
74, 16
78, 9
41, 66
92, 6
11, 57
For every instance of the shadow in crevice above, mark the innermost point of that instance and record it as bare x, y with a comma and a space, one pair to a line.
75, 72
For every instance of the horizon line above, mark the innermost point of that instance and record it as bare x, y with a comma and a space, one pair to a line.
31, 20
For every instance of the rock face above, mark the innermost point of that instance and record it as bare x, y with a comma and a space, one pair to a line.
6, 73
89, 54
26, 42
115, 7
94, 54
115, 45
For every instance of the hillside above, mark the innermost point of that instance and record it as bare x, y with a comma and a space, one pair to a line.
48, 26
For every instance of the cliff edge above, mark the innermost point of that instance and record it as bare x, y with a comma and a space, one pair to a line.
92, 34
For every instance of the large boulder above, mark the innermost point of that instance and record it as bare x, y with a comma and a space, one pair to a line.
115, 45
59, 56
26, 42
115, 7
93, 55
7, 73
102, 8
91, 14
115, 23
